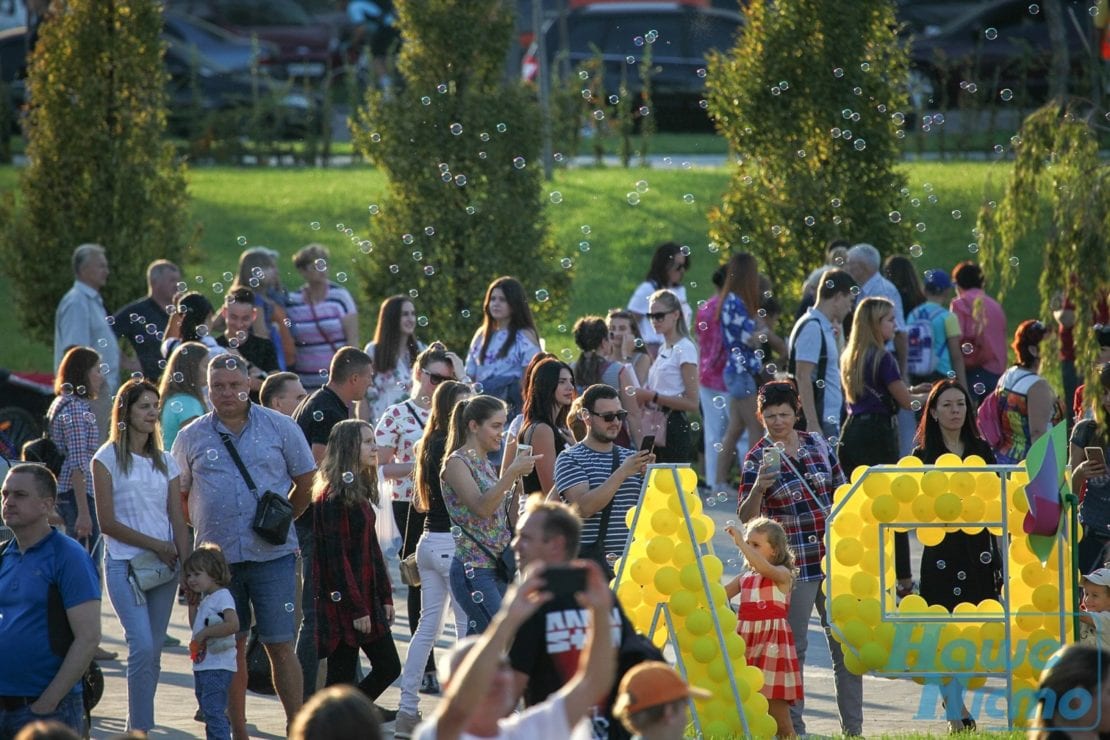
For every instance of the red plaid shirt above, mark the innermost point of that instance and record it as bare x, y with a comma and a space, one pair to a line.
789, 501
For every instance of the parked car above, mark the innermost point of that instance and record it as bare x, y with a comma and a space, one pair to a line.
13, 56
26, 398
231, 52
680, 36
996, 45
306, 48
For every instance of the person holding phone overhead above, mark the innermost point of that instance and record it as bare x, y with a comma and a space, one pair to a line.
790, 476
1090, 445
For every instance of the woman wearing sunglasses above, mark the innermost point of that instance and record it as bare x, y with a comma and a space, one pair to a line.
550, 394
396, 435
594, 366
672, 384
668, 269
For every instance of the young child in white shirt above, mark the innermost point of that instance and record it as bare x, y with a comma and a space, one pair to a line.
212, 648
1094, 622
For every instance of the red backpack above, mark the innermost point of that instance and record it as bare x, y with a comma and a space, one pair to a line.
989, 419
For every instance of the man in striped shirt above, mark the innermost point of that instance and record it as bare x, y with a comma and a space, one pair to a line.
596, 474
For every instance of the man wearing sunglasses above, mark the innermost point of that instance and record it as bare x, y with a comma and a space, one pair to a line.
602, 479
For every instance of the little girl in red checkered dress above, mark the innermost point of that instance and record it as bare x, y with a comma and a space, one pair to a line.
764, 592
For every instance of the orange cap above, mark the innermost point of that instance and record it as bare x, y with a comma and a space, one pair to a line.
650, 684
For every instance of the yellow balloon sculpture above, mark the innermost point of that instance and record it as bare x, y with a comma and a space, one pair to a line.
661, 566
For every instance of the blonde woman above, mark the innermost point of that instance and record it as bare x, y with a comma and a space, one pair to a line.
874, 391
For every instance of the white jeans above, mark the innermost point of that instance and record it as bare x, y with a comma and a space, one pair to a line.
434, 553
714, 422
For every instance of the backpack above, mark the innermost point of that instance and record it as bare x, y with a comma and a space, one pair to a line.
819, 373
989, 418
923, 355
45, 450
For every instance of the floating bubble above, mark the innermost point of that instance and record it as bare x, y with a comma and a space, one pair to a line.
979, 389
895, 216
701, 72
990, 34
519, 163
421, 320
318, 415
542, 295
460, 180
566, 263
1015, 261
556, 196
633, 199
429, 270
289, 607
341, 277
1034, 9
916, 250
501, 128
985, 557
1006, 94
456, 129
583, 247
838, 72
477, 597
315, 226
212, 455
242, 241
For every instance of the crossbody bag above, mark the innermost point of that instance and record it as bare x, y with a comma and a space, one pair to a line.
274, 512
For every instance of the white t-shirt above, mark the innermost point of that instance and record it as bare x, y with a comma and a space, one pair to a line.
220, 655
638, 303
665, 375
546, 720
138, 498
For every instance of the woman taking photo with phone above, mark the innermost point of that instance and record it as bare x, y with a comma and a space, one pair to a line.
1090, 477
481, 506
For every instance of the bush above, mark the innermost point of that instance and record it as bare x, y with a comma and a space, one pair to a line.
98, 169
809, 101
460, 149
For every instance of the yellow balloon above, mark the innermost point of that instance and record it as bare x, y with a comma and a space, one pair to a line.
874, 655
629, 595
660, 549
689, 480
1046, 598
948, 507
699, 622
962, 484
734, 646
848, 552
714, 568
858, 473
884, 508
843, 606
949, 460
691, 577
753, 677
865, 585
854, 632
666, 580
974, 509
664, 522
703, 529
642, 571
682, 603
922, 508
876, 484
930, 536
903, 488
705, 649
1018, 499
974, 461
683, 554
934, 483
870, 612
664, 480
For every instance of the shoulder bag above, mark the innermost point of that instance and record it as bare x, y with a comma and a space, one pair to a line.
274, 513
595, 551
150, 571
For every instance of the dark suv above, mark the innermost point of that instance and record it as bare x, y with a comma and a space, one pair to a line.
679, 34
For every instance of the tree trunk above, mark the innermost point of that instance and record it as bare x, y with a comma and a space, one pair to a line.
1057, 35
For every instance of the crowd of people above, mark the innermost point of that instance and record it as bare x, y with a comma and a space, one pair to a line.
252, 459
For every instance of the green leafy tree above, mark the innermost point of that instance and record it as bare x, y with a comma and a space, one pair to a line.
809, 101
98, 168
460, 148
1057, 163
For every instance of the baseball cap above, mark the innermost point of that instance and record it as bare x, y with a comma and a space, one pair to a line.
650, 684
937, 280
1099, 577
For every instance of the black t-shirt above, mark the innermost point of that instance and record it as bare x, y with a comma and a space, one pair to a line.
547, 648
256, 350
437, 519
143, 323
318, 413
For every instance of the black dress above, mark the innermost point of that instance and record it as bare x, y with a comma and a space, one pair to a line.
963, 567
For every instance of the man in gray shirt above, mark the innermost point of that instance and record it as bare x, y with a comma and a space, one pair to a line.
221, 507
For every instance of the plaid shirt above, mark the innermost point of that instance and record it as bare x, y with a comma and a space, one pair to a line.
73, 429
791, 504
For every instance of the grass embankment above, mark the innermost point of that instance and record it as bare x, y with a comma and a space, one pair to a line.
277, 207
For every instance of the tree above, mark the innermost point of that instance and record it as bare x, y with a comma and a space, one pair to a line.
810, 102
98, 167
460, 148
1057, 160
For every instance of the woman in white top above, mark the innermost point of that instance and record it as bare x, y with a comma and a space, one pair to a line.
668, 269
672, 384
138, 501
393, 351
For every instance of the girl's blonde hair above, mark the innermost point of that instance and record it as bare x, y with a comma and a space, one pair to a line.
340, 474
671, 303
865, 347
776, 538
209, 559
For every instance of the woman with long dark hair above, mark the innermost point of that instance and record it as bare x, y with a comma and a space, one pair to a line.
550, 394
354, 599
503, 345
1026, 402
393, 350
138, 504
737, 305
626, 345
480, 505
191, 322
670, 263
435, 550
1090, 477
594, 366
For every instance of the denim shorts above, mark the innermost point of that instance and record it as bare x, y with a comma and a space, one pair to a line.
269, 587
740, 385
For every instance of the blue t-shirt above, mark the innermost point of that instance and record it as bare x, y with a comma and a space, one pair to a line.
25, 580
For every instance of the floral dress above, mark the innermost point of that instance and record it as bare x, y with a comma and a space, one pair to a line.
770, 643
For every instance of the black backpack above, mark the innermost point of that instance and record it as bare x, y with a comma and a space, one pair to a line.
44, 450
819, 374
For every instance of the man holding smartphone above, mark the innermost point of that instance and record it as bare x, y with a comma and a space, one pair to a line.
599, 478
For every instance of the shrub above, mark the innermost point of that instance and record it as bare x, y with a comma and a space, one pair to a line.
809, 101
460, 149
98, 169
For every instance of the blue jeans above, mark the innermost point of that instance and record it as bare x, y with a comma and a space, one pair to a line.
268, 587
306, 638
70, 712
479, 595
212, 688
144, 627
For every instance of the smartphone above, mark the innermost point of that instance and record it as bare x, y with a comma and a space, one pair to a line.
772, 459
564, 580
523, 449
648, 444
1095, 454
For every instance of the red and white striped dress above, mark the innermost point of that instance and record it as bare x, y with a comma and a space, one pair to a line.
770, 643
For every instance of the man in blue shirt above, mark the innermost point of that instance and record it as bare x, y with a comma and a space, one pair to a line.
50, 602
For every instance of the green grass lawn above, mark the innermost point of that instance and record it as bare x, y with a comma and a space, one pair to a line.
277, 208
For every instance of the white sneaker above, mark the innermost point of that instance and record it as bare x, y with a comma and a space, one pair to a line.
405, 724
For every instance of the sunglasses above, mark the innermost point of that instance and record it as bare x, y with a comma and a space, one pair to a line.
436, 378
610, 416
659, 315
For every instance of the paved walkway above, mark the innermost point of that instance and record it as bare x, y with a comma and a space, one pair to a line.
889, 707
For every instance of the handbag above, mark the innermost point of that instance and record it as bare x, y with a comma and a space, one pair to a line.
595, 551
274, 514
150, 571
260, 678
653, 420
410, 572
504, 564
